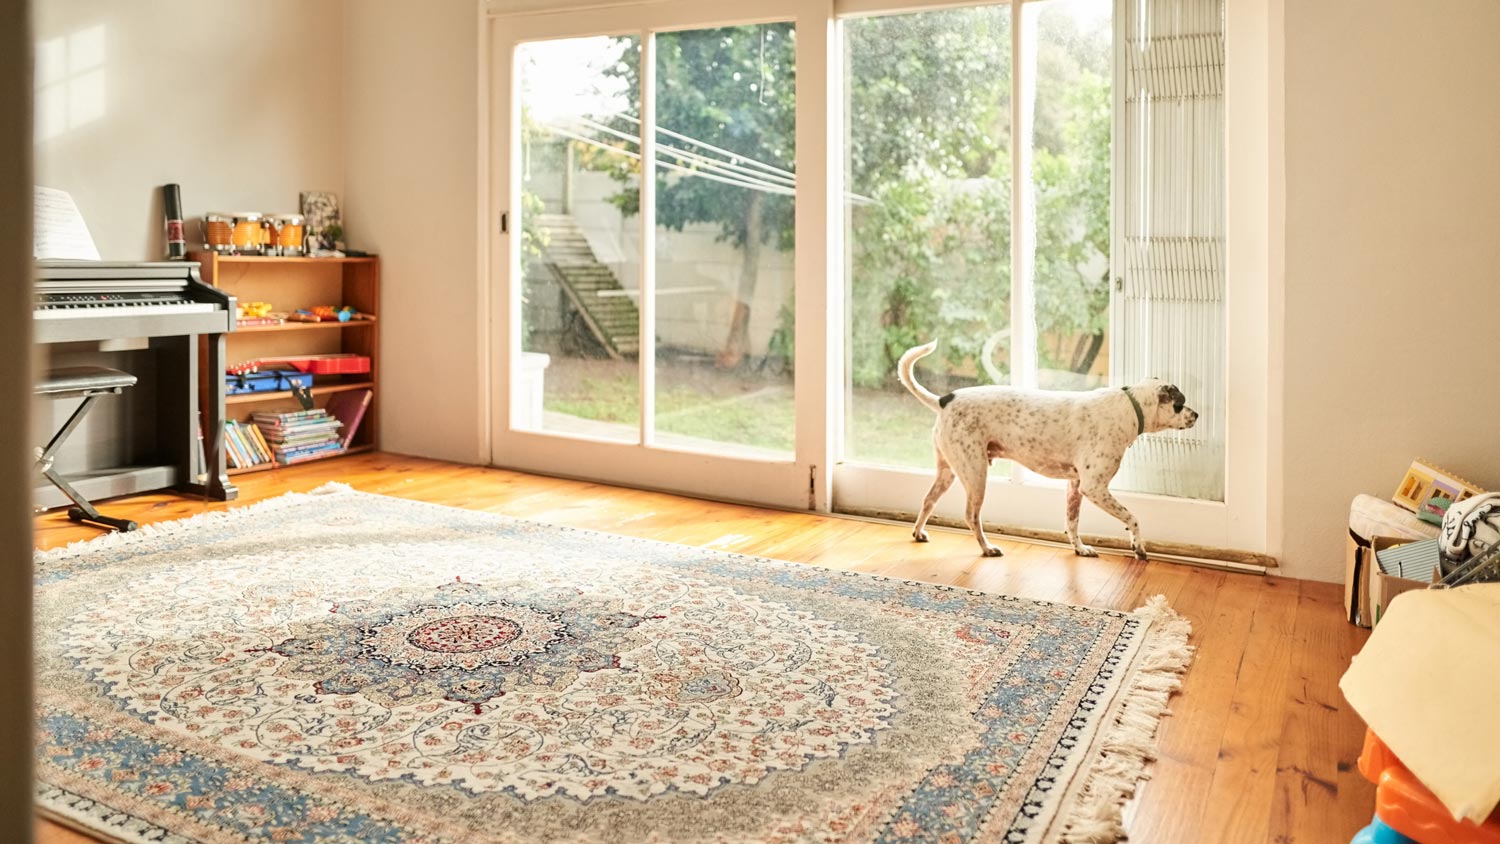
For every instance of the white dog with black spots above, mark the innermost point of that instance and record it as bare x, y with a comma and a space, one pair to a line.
1079, 437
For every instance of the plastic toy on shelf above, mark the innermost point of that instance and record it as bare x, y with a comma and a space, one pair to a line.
328, 313
336, 364
248, 310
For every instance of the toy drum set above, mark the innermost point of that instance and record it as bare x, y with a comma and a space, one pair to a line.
250, 233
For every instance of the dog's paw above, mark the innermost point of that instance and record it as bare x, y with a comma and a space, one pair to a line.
1140, 550
992, 551
1085, 550
919, 535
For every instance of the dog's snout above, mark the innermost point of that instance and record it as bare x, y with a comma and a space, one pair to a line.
1192, 417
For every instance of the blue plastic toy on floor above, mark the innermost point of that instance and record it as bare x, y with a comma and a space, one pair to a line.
1378, 833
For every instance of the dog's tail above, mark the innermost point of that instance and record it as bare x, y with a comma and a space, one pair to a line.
909, 380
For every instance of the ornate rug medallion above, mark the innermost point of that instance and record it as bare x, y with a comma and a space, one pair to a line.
462, 640
345, 667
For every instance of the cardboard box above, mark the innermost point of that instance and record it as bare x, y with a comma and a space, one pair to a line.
1357, 561
1371, 516
1383, 588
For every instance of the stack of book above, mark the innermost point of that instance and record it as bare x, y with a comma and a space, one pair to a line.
300, 435
244, 446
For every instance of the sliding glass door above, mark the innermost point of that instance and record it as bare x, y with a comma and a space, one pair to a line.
986, 211
649, 168
719, 225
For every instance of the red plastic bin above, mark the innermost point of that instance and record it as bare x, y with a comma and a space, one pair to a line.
334, 365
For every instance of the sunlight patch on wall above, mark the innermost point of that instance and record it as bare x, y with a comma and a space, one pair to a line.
70, 84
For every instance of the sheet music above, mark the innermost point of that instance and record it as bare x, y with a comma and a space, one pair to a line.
59, 229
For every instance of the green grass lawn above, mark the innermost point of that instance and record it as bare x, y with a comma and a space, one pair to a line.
884, 426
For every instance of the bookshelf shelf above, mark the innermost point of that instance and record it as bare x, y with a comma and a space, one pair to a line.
281, 395
203, 257
304, 326
271, 467
290, 284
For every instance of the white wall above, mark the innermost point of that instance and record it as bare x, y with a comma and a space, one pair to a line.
1392, 256
239, 104
412, 194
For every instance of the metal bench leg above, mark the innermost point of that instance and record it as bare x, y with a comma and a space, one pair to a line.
85, 511
44, 460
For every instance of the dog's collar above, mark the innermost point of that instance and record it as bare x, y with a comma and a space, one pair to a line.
1140, 415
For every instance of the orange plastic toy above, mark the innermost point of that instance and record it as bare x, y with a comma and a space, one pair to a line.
1406, 806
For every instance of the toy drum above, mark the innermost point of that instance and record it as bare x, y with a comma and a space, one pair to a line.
218, 231
248, 233
287, 233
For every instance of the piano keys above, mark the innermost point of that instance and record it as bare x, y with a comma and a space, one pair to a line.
166, 304
55, 301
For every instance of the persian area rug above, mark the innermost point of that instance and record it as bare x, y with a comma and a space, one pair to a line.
344, 667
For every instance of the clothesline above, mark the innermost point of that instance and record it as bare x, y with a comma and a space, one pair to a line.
738, 170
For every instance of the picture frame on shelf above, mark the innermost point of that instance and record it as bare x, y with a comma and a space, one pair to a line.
325, 230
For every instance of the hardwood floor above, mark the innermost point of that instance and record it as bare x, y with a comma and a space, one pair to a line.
1261, 746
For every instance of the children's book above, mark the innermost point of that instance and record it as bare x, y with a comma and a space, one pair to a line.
349, 407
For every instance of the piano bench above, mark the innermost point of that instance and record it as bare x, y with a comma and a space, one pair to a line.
88, 382
75, 381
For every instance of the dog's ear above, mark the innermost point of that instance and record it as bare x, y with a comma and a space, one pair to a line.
1169, 394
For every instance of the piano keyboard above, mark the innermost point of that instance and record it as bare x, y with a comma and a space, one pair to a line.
115, 297
118, 309
99, 300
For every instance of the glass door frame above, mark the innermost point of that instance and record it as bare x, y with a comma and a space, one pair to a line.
800, 482
817, 478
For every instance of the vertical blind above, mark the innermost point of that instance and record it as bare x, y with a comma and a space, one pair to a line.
1168, 318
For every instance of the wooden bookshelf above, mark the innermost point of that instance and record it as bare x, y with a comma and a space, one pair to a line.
289, 284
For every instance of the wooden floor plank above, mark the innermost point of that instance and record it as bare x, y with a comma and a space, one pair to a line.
1239, 801
1260, 747
1356, 794
1174, 801
1306, 807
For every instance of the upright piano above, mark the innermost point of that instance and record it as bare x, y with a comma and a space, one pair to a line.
166, 307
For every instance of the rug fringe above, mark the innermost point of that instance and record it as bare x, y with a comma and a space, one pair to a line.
1128, 747
148, 532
